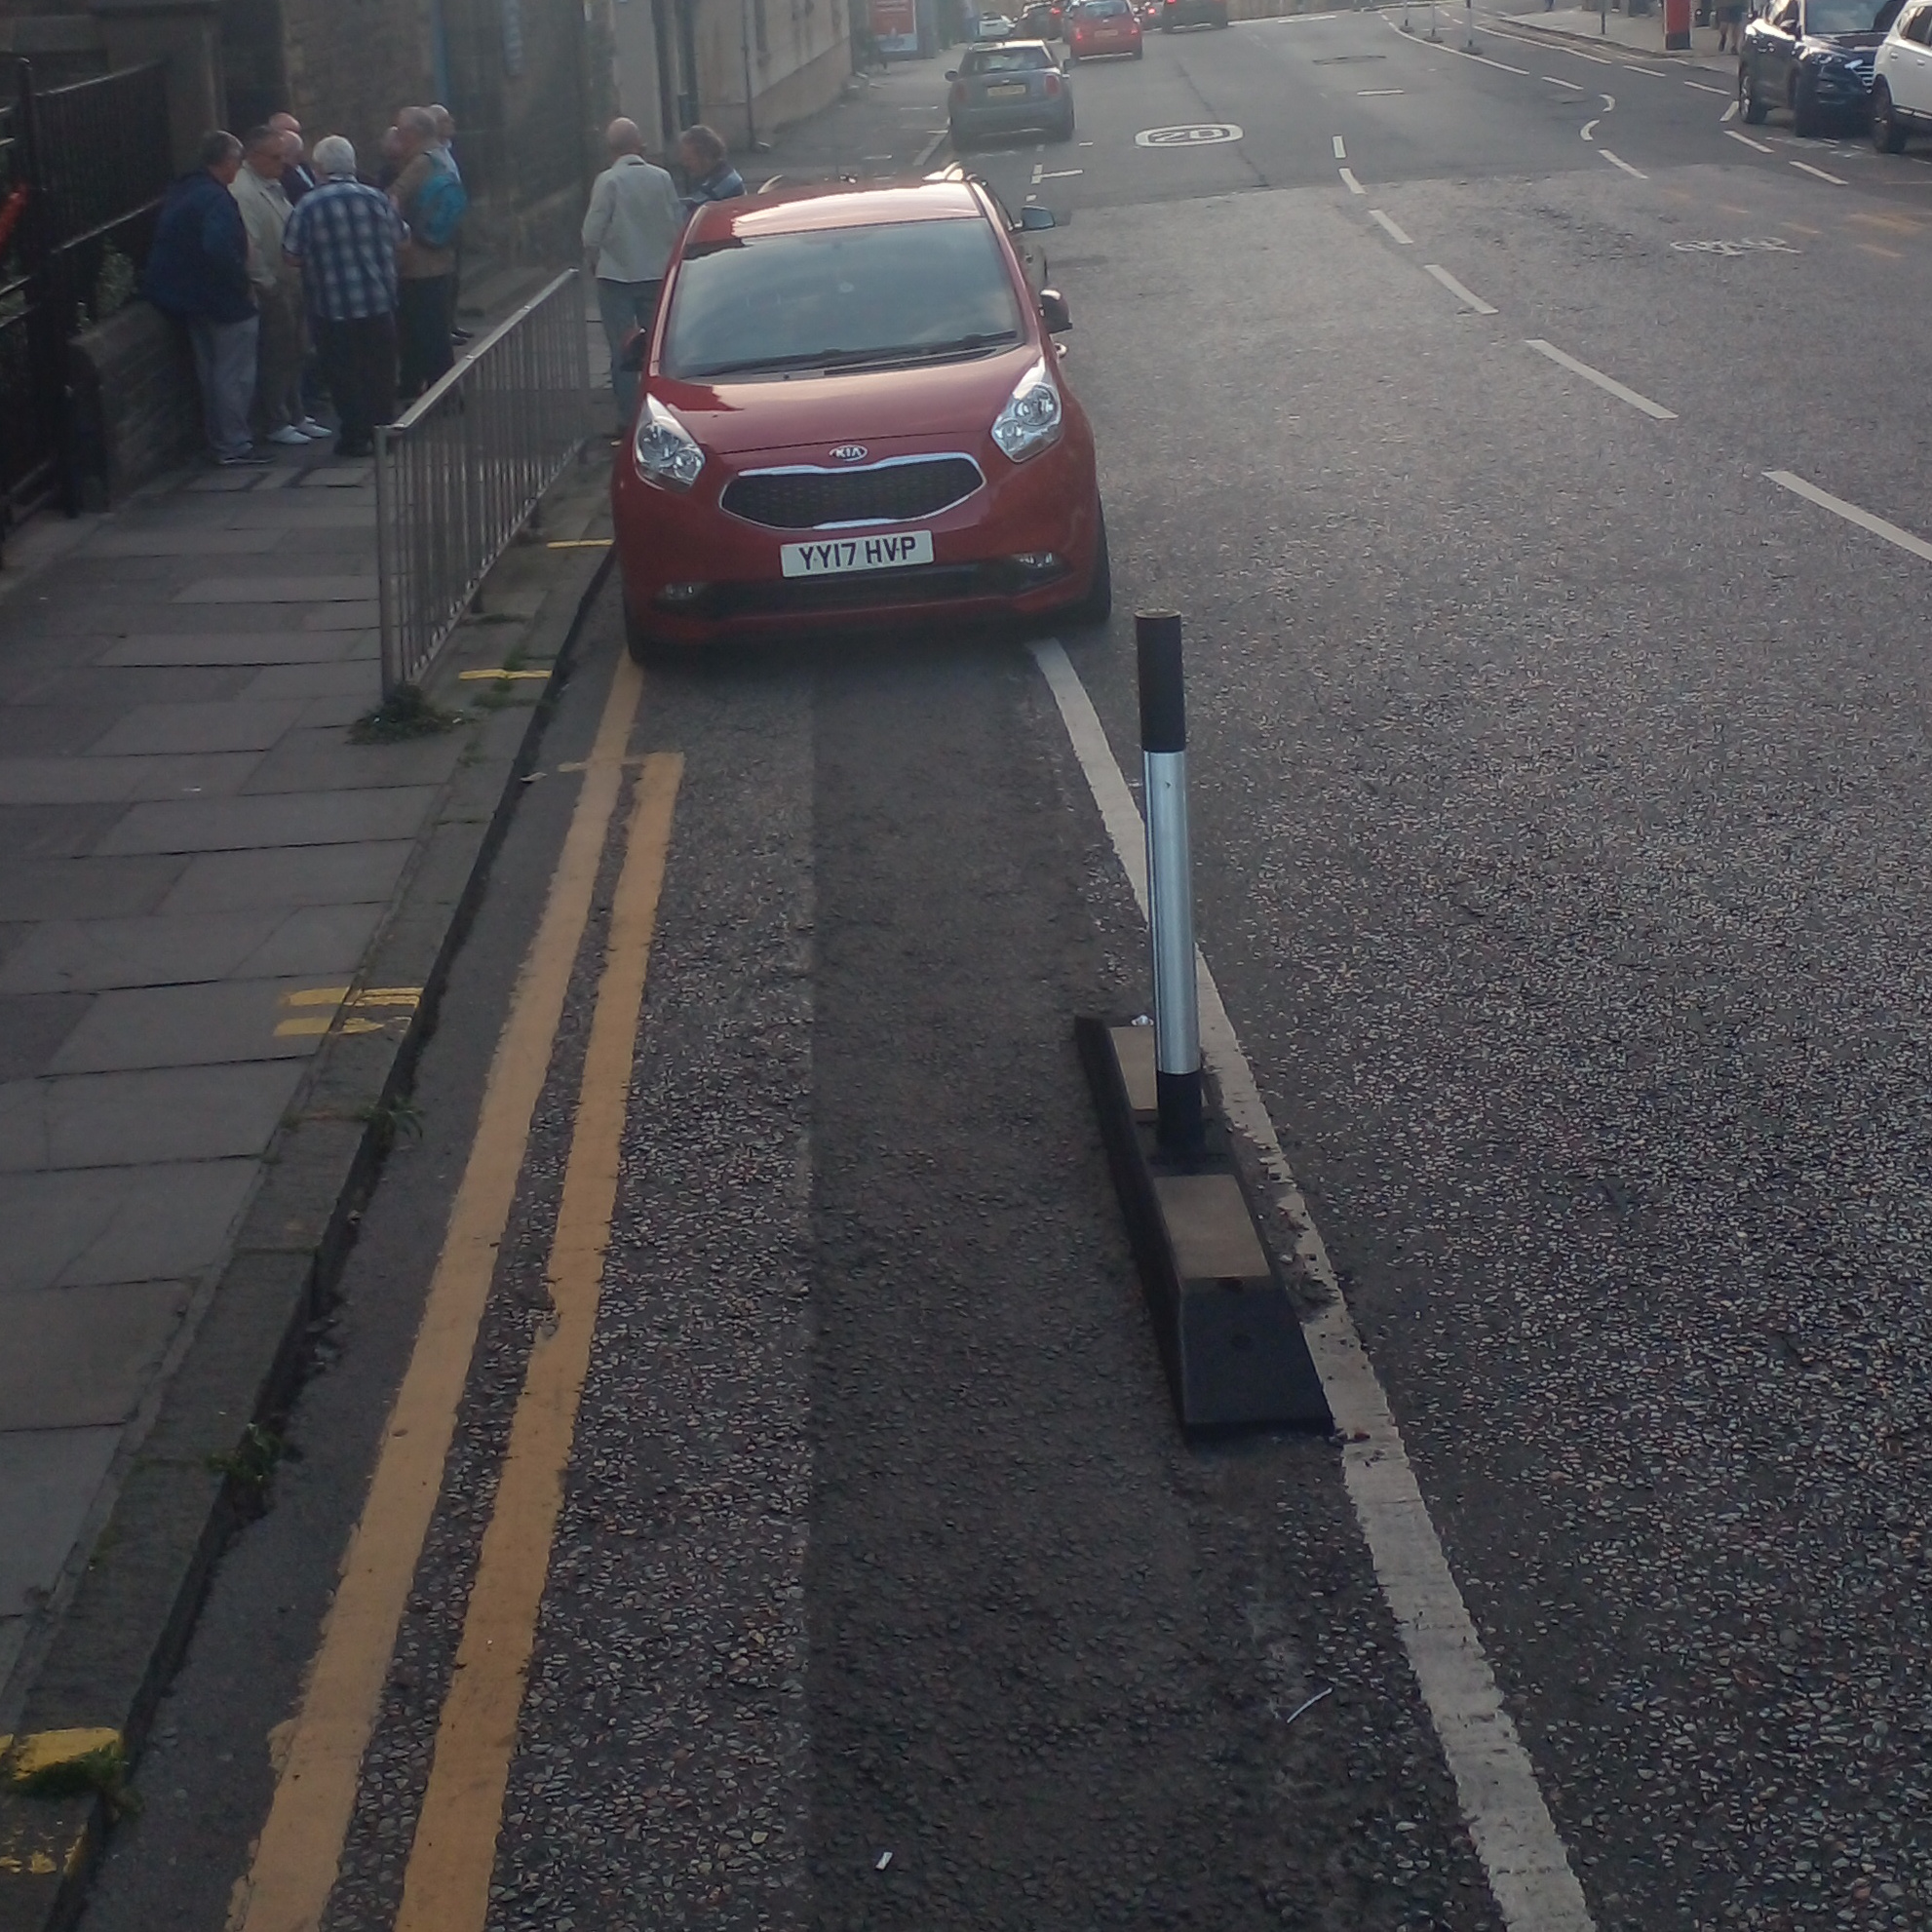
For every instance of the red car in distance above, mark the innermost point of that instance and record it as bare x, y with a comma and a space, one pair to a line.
1102, 26
852, 411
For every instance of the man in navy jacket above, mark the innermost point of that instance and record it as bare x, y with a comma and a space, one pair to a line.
198, 272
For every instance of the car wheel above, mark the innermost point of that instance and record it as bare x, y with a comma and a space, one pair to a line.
1887, 133
1750, 106
1803, 111
645, 648
1096, 606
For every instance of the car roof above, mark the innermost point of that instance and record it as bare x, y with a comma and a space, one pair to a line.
1013, 41
833, 205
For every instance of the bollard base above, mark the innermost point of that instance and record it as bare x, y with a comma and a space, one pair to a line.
1229, 1336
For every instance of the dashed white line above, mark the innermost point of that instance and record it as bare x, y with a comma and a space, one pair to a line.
1729, 113
1746, 139
1393, 232
1631, 67
1355, 187
1589, 129
1523, 1854
1341, 153
1705, 86
1455, 288
1820, 173
1608, 383
1617, 161
1851, 513
1556, 80
1062, 174
1039, 169
1461, 55
1375, 92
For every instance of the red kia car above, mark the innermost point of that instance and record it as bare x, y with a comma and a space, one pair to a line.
852, 411
1104, 26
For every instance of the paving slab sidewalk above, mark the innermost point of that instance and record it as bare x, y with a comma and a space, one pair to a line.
196, 860
1642, 34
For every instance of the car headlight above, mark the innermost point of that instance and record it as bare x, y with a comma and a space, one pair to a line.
666, 451
1031, 420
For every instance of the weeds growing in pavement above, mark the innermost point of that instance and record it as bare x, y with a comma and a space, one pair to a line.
407, 713
400, 1118
253, 1460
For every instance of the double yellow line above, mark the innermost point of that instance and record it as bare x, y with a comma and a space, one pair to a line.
446, 1886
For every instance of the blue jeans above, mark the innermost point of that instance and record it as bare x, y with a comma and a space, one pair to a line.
625, 306
225, 366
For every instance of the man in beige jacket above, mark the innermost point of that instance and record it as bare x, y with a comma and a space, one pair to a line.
634, 218
277, 286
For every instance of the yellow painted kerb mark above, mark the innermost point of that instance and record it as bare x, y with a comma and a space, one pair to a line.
310, 1025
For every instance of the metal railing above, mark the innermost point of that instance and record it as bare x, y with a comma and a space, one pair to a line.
83, 170
459, 473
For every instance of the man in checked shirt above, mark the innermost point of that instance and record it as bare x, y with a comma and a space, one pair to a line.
345, 238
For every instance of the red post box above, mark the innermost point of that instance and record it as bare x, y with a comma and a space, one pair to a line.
1677, 26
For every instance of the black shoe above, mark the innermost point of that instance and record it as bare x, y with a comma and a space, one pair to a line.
249, 459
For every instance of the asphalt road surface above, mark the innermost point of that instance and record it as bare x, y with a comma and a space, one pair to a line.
1541, 473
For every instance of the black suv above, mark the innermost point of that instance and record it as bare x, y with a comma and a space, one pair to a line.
1813, 57
1193, 12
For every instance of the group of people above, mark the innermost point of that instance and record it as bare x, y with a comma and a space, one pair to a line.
634, 222
291, 269
288, 268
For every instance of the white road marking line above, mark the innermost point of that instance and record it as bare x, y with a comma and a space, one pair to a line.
1523, 1855
1039, 168
1631, 67
1062, 174
1456, 289
1461, 55
1705, 86
1556, 80
1375, 92
1355, 187
1851, 513
1602, 381
1394, 233
1589, 129
1610, 104
1746, 139
1820, 173
1617, 161
1730, 114
1341, 153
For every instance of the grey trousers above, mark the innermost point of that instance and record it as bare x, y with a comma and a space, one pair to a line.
225, 365
279, 356
625, 306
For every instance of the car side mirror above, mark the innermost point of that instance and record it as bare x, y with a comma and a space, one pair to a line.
1032, 219
1054, 312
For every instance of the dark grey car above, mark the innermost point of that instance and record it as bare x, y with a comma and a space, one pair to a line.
1015, 88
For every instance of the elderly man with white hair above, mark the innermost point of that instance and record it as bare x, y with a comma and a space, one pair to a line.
634, 221
345, 238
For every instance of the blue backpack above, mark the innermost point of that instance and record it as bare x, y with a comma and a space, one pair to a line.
441, 203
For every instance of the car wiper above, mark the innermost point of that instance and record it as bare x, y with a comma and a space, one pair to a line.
960, 345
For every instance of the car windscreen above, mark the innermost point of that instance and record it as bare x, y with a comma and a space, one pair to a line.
1005, 61
913, 291
1846, 15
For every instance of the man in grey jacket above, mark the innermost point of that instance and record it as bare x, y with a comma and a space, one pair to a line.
634, 218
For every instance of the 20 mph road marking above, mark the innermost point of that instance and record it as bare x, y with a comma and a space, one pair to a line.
1820, 173
1389, 228
1523, 1855
1617, 161
1746, 139
1851, 513
1456, 289
1602, 381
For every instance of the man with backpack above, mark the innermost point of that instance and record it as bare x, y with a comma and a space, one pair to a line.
429, 195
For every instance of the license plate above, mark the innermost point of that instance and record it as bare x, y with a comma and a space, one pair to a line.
838, 557
1008, 91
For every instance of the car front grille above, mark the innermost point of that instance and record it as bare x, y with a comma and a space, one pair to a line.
825, 499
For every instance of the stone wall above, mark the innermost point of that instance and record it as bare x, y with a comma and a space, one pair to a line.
136, 411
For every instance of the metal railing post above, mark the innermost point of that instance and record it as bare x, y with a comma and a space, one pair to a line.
385, 567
